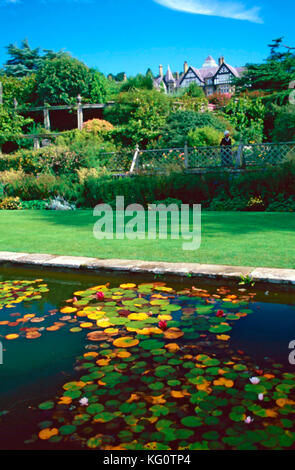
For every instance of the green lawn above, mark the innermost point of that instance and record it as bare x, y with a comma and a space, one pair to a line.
232, 238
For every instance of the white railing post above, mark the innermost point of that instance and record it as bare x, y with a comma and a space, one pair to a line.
239, 157
135, 161
79, 113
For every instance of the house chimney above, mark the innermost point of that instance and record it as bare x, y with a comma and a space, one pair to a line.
221, 60
161, 70
185, 67
125, 78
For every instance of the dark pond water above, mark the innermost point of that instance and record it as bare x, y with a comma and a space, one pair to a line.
163, 403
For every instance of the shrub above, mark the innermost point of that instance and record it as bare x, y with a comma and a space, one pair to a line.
43, 187
256, 204
204, 136
10, 176
11, 203
35, 205
179, 124
234, 204
60, 204
85, 173
97, 126
281, 204
284, 125
220, 99
9, 162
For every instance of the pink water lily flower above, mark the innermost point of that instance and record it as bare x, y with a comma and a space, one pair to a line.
84, 401
220, 314
249, 420
99, 296
163, 325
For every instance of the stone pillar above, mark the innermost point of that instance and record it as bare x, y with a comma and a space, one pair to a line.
36, 143
79, 113
46, 119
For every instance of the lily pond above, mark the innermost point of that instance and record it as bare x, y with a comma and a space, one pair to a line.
93, 362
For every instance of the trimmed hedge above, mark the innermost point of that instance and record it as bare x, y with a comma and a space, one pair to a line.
261, 190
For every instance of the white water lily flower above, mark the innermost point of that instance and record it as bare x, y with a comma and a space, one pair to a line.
254, 380
261, 397
84, 401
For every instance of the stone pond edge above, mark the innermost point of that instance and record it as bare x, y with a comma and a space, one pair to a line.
206, 271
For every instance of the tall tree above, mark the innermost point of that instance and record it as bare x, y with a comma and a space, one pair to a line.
272, 77
24, 61
62, 79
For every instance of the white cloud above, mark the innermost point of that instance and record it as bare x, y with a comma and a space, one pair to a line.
225, 9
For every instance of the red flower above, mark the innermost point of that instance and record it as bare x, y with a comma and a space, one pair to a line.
220, 313
163, 325
99, 296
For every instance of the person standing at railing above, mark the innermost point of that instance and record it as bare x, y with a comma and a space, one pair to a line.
226, 150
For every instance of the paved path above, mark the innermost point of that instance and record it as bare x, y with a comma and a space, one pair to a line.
271, 275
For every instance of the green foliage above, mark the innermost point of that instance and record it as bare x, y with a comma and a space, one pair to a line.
273, 76
25, 61
140, 82
119, 77
179, 124
284, 125
11, 124
247, 116
22, 89
204, 137
90, 148
46, 186
34, 205
218, 191
195, 91
62, 79
139, 115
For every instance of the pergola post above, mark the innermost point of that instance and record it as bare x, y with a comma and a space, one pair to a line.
79, 113
46, 118
36, 143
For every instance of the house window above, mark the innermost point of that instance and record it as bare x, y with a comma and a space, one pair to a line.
187, 81
224, 78
224, 89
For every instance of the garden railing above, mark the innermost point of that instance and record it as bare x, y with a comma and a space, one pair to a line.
190, 159
187, 159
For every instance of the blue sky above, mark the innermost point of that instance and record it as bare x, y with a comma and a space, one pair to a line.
132, 35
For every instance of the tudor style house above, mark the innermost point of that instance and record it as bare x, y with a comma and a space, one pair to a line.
212, 77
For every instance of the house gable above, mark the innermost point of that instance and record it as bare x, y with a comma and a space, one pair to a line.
191, 76
224, 74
